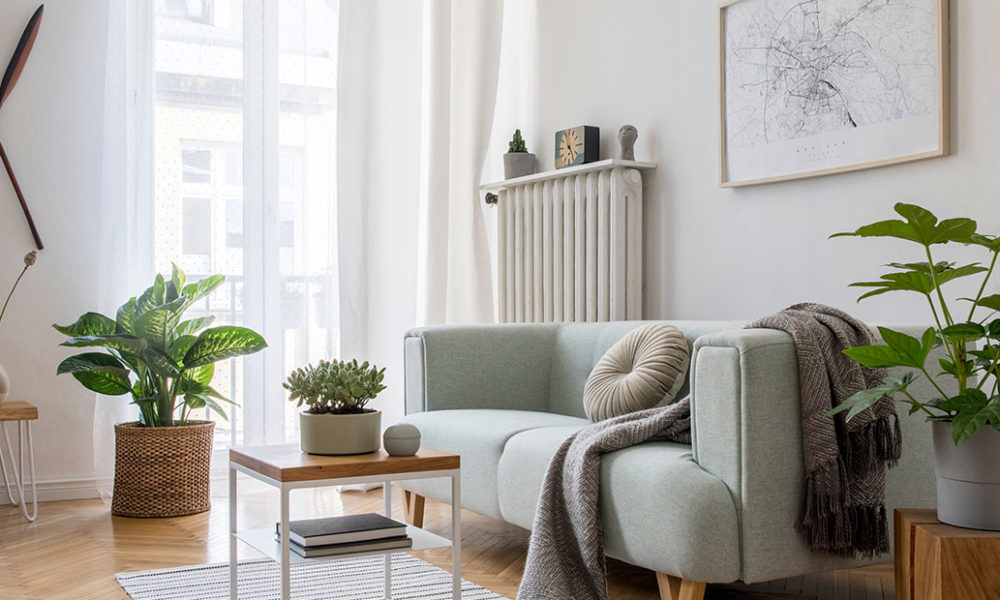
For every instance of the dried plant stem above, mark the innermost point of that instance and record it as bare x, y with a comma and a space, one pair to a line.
7, 301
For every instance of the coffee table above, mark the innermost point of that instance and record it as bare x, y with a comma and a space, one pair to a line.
287, 468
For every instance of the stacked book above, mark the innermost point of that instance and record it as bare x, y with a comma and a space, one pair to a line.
348, 534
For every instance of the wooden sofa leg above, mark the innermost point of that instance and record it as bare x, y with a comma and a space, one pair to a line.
413, 505
675, 588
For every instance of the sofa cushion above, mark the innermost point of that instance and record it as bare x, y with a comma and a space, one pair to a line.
642, 370
659, 508
478, 436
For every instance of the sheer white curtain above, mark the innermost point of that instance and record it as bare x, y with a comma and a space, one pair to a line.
417, 88
220, 157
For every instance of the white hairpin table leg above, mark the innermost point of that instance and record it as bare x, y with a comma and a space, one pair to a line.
18, 468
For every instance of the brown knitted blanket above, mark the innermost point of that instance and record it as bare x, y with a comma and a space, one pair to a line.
844, 507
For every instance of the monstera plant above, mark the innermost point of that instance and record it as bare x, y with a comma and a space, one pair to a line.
154, 355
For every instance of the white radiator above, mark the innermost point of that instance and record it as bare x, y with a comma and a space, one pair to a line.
570, 244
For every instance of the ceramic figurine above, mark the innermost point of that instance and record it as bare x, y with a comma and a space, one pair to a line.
626, 142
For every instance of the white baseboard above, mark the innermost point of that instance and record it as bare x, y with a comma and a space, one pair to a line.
61, 489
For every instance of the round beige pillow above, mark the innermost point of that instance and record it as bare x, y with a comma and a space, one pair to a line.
644, 369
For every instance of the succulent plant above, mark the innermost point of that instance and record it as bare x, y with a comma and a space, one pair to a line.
517, 143
336, 387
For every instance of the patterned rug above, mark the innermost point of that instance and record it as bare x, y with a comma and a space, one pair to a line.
351, 578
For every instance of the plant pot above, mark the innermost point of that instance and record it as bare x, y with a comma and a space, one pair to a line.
968, 481
340, 434
518, 164
162, 471
4, 384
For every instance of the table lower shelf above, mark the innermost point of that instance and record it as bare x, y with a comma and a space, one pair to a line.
263, 541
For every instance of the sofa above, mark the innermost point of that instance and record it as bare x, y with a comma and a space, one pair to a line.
722, 509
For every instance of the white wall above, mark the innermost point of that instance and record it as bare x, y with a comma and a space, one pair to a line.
732, 254
51, 127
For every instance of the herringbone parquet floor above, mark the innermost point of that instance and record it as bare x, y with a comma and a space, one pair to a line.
74, 549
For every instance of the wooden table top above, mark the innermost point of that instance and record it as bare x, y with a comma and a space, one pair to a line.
18, 411
288, 463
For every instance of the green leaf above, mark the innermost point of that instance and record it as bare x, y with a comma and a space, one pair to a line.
98, 372
125, 317
993, 329
947, 275
986, 241
179, 348
193, 325
912, 281
921, 226
160, 363
196, 291
860, 401
220, 343
907, 346
154, 296
158, 324
879, 356
177, 277
88, 324
964, 332
972, 411
947, 366
202, 374
127, 343
991, 302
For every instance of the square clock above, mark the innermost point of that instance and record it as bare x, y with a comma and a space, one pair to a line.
577, 145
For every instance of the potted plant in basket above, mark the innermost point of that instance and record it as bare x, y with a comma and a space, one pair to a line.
336, 420
166, 365
967, 423
518, 162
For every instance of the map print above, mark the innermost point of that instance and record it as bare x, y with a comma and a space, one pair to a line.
808, 77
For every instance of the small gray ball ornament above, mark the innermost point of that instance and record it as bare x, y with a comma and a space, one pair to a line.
401, 440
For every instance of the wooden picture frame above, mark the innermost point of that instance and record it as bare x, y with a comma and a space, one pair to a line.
834, 113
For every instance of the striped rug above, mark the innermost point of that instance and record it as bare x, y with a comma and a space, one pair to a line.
351, 578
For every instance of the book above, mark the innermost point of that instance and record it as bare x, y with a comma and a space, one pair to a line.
343, 530
350, 547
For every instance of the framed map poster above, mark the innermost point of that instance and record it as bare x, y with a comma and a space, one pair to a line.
814, 87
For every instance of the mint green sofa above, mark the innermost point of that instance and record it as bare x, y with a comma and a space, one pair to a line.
720, 510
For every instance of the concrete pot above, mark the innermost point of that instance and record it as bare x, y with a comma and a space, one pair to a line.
518, 164
968, 481
340, 434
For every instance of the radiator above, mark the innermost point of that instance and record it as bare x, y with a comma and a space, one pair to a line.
569, 246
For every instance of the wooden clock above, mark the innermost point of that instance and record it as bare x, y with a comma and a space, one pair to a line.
577, 145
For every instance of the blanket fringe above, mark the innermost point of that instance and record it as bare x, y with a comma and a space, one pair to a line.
831, 526
877, 444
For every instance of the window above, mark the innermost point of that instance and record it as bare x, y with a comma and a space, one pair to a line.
247, 189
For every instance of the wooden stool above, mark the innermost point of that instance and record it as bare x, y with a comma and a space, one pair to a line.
935, 561
23, 413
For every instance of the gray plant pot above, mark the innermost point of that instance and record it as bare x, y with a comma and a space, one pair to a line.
340, 434
968, 480
518, 164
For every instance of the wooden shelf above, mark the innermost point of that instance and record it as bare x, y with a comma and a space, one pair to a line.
263, 541
18, 411
601, 165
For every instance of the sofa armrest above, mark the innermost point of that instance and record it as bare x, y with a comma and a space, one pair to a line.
746, 428
478, 366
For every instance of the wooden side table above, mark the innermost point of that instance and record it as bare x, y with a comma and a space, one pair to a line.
935, 561
22, 414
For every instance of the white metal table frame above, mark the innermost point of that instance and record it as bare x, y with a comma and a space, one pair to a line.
18, 467
285, 488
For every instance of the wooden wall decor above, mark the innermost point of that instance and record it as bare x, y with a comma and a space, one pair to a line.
10, 77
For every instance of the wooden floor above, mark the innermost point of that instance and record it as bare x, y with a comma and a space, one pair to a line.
76, 547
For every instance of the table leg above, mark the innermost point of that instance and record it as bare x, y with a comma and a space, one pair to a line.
387, 510
232, 533
456, 537
285, 548
18, 469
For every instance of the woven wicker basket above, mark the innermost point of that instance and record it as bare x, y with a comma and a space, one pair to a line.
162, 471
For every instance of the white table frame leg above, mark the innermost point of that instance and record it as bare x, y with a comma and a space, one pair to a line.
387, 510
18, 468
233, 583
456, 537
286, 592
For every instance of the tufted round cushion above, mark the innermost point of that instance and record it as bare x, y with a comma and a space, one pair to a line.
644, 369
